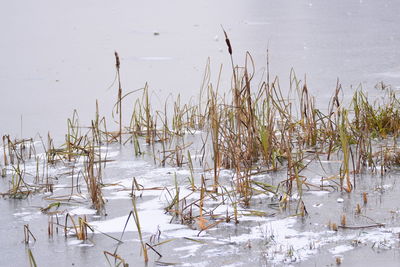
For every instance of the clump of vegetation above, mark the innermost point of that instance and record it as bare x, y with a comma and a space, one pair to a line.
249, 131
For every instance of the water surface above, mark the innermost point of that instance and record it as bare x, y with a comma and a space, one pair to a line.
58, 56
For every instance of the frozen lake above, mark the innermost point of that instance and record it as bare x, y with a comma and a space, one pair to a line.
58, 56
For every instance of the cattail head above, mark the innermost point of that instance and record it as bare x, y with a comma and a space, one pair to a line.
303, 210
117, 63
365, 198
358, 209
343, 220
228, 43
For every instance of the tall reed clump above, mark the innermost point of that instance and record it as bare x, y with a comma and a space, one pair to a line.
119, 101
93, 178
345, 140
266, 114
376, 121
215, 123
72, 138
308, 118
148, 120
260, 127
380, 119
239, 134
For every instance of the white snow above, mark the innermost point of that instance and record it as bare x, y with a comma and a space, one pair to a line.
340, 249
